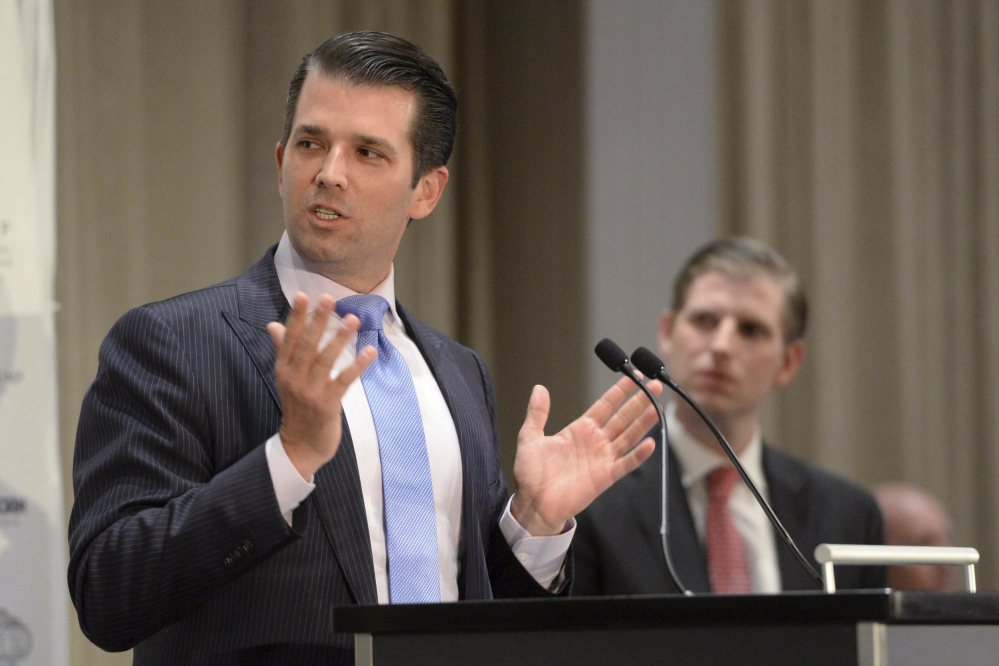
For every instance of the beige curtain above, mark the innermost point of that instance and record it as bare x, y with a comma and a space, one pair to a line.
862, 138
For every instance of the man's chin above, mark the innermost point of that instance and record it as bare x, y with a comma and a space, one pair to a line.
314, 252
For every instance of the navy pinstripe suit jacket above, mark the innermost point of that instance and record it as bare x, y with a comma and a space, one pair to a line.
177, 545
618, 550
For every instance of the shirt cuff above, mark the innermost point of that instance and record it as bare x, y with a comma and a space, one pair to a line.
289, 486
543, 557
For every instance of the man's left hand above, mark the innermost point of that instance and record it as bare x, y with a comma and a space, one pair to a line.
558, 476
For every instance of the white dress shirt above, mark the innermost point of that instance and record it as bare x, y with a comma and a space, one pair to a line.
696, 462
542, 556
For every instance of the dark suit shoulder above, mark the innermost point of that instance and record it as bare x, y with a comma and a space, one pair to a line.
798, 473
818, 506
257, 291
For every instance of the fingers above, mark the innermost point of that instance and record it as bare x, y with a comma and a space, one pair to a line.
349, 375
538, 408
615, 410
276, 329
326, 357
636, 407
307, 332
609, 403
632, 460
292, 327
635, 430
299, 361
310, 395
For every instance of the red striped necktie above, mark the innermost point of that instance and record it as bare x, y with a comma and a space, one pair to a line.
727, 562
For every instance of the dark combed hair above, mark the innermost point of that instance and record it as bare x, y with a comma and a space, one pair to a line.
743, 257
381, 59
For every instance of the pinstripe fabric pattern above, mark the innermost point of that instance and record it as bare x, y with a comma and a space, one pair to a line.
177, 545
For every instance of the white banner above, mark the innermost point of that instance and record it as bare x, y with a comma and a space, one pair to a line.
33, 594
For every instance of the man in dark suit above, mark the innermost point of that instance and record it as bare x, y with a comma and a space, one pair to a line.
227, 472
733, 336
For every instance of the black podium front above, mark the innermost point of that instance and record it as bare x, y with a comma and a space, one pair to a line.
870, 628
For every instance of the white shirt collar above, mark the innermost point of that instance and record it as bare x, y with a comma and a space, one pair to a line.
294, 276
697, 461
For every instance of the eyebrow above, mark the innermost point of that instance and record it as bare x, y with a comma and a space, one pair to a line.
376, 142
309, 130
366, 139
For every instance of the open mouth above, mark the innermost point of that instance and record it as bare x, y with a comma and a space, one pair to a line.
327, 214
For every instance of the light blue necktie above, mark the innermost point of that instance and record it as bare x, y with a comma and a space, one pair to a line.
410, 519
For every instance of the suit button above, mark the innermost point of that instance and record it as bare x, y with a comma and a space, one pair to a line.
246, 547
229, 560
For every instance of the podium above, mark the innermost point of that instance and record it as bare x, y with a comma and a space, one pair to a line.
865, 627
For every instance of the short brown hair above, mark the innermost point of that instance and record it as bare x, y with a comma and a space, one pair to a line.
745, 257
381, 59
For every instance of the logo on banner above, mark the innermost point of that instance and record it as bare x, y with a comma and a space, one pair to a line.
15, 639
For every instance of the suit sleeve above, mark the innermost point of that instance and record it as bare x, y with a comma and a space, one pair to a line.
156, 528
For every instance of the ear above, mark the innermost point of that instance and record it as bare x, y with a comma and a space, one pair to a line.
794, 355
427, 193
279, 157
665, 331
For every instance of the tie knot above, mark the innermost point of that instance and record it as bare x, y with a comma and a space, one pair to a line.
720, 483
368, 308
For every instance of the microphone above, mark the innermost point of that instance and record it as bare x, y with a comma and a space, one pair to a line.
614, 358
652, 366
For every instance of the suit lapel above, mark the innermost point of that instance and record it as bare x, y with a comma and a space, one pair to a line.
787, 498
447, 375
473, 577
259, 302
337, 498
640, 521
787, 490
454, 389
340, 504
685, 546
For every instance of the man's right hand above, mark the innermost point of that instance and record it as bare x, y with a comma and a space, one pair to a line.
310, 397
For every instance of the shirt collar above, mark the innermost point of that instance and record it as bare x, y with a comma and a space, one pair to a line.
697, 461
294, 276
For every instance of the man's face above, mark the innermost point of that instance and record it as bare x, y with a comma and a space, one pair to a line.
726, 346
345, 178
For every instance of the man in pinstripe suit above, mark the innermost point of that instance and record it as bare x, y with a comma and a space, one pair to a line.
226, 473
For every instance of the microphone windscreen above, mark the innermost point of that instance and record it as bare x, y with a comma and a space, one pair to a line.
612, 355
648, 363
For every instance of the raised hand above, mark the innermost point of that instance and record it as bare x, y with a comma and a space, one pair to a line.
558, 476
310, 396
